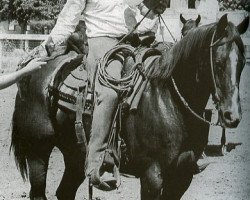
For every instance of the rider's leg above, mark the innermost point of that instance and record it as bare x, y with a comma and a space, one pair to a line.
106, 102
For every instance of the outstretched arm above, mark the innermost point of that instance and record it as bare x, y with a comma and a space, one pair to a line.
9, 79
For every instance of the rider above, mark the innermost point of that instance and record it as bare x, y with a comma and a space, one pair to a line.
105, 24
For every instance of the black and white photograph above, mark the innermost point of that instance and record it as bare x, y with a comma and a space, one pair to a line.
124, 100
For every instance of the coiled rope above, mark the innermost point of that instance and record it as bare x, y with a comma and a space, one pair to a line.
120, 85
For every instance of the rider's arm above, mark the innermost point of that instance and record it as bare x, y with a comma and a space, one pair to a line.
9, 79
67, 20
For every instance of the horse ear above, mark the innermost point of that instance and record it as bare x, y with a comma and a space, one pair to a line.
242, 27
183, 20
222, 24
198, 20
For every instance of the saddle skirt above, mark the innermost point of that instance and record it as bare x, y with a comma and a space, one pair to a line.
68, 81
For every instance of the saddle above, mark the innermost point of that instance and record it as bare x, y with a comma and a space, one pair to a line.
68, 81
69, 91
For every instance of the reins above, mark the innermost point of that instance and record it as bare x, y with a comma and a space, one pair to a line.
161, 18
134, 28
185, 103
215, 94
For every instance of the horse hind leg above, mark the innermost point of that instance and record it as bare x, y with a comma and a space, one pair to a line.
152, 182
38, 167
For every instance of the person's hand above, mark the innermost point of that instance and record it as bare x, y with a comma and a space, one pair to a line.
161, 7
158, 6
144, 10
33, 65
37, 52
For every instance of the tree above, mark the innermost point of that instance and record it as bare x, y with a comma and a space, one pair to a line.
230, 5
4, 9
25, 10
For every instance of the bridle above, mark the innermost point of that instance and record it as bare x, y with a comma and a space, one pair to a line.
215, 90
216, 98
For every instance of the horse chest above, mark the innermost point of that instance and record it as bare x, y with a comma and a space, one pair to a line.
159, 124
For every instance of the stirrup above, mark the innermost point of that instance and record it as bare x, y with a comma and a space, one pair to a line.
111, 183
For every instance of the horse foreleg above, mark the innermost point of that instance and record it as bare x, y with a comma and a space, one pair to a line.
223, 141
177, 183
38, 166
151, 182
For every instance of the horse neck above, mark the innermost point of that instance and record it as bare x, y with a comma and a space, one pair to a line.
193, 75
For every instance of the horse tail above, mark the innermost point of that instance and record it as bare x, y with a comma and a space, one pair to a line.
18, 147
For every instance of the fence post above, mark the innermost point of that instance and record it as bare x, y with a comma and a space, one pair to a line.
1, 52
26, 42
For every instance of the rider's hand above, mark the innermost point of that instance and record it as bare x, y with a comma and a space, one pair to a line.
33, 65
144, 10
158, 6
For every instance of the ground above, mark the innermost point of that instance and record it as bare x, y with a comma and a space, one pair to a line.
227, 177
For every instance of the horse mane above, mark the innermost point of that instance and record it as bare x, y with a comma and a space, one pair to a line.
195, 41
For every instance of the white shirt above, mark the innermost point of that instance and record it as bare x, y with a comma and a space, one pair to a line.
102, 18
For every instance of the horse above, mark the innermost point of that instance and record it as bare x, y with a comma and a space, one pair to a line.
189, 24
163, 137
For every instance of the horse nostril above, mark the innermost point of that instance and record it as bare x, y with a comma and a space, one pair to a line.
231, 119
228, 115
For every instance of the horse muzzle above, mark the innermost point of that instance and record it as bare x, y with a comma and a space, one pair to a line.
230, 119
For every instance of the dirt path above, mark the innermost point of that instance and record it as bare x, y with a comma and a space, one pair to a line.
227, 178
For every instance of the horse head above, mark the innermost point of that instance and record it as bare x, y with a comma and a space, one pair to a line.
189, 24
227, 62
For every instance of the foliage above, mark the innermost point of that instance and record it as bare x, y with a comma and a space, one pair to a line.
25, 10
234, 5
49, 9
39, 26
4, 10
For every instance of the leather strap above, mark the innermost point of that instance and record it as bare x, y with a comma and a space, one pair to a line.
79, 129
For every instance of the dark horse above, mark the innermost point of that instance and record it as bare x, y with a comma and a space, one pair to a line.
163, 138
189, 24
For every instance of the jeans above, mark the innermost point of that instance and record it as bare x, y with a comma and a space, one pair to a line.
106, 100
